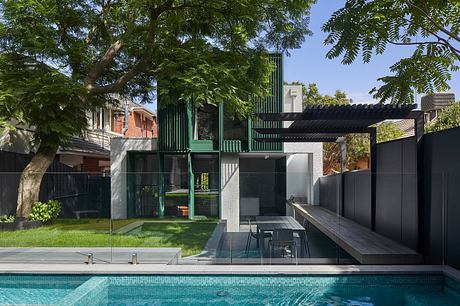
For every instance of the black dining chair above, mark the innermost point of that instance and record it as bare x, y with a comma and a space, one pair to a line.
255, 235
283, 239
306, 226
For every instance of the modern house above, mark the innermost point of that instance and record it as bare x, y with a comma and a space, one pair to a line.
207, 163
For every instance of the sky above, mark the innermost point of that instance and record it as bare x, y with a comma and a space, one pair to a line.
309, 64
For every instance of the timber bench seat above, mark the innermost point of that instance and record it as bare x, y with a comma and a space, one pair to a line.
364, 245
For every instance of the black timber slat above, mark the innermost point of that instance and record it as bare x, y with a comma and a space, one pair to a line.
309, 138
344, 112
290, 131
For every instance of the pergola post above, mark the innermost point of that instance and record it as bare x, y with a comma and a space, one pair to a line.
343, 168
419, 130
373, 166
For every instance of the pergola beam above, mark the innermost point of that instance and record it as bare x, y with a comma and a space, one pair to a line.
292, 131
297, 139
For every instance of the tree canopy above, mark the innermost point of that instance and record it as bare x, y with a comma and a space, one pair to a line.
447, 118
62, 58
365, 28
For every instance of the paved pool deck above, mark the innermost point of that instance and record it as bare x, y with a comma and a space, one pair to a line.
159, 269
79, 255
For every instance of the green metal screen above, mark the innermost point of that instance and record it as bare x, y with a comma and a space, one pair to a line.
271, 104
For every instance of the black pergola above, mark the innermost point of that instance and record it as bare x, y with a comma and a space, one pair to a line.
330, 123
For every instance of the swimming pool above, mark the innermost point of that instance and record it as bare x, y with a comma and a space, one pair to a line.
360, 290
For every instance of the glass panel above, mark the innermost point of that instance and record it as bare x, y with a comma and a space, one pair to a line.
234, 128
206, 125
176, 185
262, 188
206, 180
146, 185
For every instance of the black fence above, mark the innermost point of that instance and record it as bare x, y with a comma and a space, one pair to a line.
349, 195
397, 205
396, 191
330, 192
442, 197
75, 191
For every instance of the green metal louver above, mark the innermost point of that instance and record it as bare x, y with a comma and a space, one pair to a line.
173, 128
271, 104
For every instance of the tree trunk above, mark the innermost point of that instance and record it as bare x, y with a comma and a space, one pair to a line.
31, 179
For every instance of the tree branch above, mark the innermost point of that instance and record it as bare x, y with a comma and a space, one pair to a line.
414, 43
100, 66
436, 24
120, 82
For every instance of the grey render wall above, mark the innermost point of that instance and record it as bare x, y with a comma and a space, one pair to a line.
119, 148
357, 197
442, 197
396, 191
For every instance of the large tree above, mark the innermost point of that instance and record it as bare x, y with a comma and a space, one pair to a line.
431, 27
60, 58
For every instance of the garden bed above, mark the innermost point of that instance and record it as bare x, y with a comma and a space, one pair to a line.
20, 225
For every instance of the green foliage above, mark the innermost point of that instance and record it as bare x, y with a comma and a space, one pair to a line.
365, 28
311, 96
45, 212
358, 145
208, 51
447, 118
34, 93
7, 218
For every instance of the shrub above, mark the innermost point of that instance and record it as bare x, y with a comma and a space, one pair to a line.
45, 212
7, 219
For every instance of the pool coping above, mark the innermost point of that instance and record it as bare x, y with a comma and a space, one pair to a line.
158, 269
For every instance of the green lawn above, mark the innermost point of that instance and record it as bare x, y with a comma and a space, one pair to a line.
190, 236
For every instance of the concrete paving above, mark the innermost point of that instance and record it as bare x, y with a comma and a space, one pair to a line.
156, 269
80, 255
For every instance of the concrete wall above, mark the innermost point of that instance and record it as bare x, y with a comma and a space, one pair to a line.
118, 156
303, 165
230, 195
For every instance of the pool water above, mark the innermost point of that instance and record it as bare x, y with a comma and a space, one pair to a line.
37, 290
362, 290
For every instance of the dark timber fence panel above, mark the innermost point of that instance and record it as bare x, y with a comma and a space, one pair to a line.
74, 190
396, 175
357, 197
331, 192
442, 197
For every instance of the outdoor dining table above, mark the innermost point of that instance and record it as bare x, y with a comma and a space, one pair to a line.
270, 223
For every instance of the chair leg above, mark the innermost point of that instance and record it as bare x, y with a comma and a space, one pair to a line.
248, 244
270, 252
308, 246
296, 258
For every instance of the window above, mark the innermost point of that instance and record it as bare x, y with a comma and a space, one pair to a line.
206, 123
235, 128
